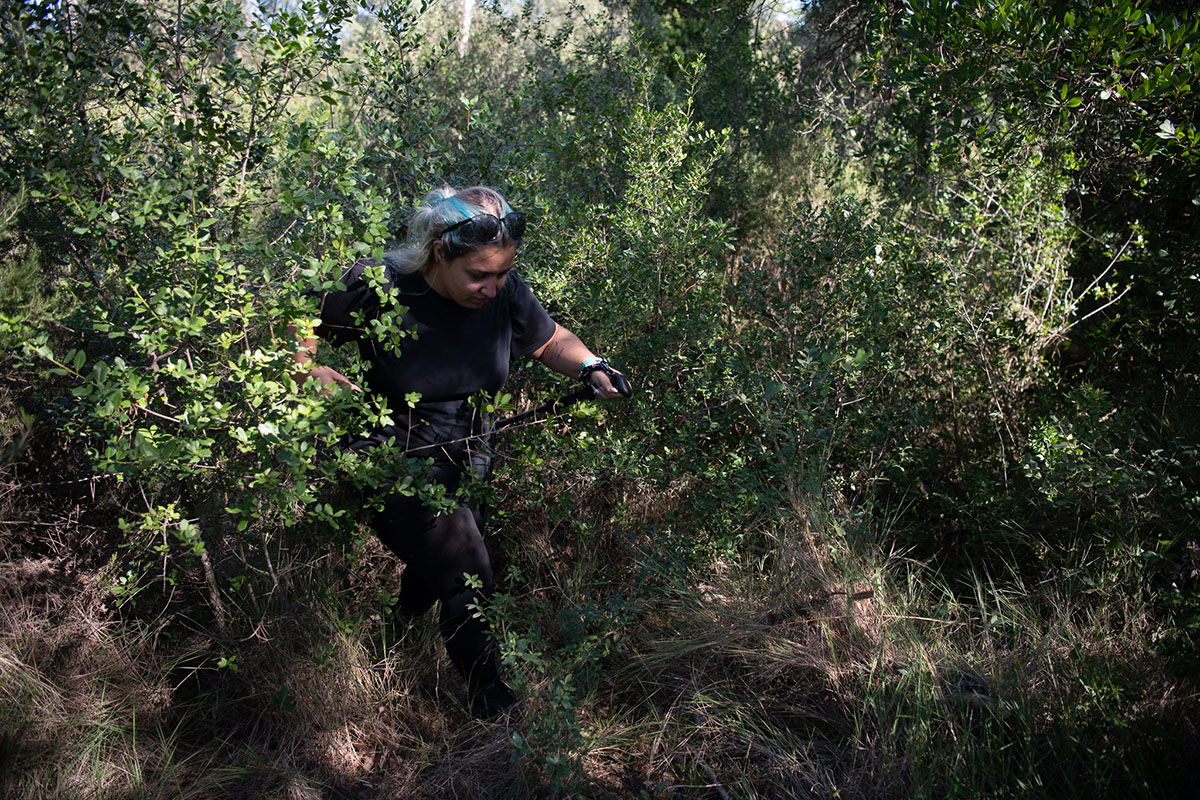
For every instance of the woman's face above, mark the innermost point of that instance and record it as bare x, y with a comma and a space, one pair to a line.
471, 280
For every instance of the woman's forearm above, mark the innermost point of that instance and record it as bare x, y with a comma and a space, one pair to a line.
564, 353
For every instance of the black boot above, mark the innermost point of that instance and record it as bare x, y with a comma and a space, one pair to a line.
473, 654
487, 695
489, 700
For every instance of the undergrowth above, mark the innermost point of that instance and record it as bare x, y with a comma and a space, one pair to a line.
818, 666
885, 518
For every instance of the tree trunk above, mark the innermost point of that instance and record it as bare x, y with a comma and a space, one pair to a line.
465, 39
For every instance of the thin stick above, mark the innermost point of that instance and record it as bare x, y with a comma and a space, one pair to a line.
214, 594
712, 776
1097, 311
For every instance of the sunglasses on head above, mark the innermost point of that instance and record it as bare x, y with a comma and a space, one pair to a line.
484, 228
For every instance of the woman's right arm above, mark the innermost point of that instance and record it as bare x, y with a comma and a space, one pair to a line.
306, 350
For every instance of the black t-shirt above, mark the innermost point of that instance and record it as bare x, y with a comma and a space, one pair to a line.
448, 353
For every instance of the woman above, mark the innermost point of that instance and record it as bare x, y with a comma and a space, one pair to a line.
467, 314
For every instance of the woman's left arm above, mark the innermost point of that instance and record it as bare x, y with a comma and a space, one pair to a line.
565, 353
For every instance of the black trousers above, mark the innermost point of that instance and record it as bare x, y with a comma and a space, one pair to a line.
439, 550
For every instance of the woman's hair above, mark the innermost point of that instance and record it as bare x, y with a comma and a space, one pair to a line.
434, 215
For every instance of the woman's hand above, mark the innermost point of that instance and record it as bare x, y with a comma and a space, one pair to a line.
609, 387
305, 351
329, 376
602, 385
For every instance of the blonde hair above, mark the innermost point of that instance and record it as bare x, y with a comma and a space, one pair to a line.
431, 219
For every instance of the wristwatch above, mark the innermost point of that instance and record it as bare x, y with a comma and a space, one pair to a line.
595, 364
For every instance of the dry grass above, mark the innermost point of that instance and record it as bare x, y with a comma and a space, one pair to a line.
739, 689
74, 690
805, 668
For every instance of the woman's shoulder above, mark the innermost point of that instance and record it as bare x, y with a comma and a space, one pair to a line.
367, 271
351, 278
354, 293
374, 279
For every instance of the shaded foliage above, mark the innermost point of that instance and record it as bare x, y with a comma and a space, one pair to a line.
921, 273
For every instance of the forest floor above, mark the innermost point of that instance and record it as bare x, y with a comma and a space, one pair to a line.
810, 670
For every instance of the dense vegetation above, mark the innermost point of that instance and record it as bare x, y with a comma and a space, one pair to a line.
907, 501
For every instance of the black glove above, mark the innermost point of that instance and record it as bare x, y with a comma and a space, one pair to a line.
619, 381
